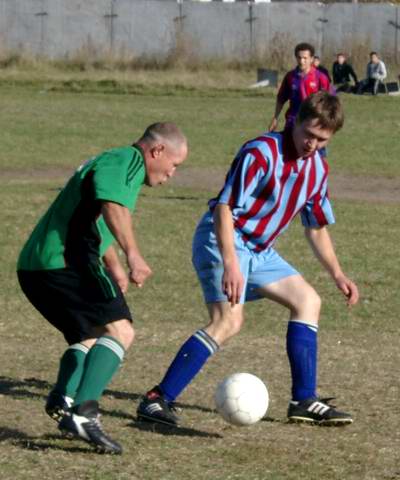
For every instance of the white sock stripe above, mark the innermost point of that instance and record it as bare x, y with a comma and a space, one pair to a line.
311, 326
112, 345
207, 341
79, 346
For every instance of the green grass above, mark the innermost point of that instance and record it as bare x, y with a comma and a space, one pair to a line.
70, 127
46, 135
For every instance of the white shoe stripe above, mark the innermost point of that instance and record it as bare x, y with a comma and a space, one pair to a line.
78, 421
318, 408
153, 408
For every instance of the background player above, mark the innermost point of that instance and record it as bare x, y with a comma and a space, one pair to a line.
273, 178
298, 84
71, 273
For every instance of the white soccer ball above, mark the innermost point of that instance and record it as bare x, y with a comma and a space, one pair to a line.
242, 399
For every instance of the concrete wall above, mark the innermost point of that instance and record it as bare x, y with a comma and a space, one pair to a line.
57, 28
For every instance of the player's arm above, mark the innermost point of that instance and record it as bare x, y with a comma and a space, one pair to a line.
281, 99
114, 266
232, 280
353, 74
119, 221
274, 121
323, 249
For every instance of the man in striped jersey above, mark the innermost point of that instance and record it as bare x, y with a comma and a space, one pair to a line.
298, 84
70, 271
272, 179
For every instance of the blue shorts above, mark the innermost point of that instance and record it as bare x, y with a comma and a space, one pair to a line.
258, 268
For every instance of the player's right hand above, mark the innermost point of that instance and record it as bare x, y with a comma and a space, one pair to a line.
139, 271
232, 283
273, 125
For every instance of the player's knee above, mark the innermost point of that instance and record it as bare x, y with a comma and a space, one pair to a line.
308, 305
312, 302
123, 331
227, 327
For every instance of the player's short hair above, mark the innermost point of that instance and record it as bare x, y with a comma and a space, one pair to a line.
340, 54
323, 107
373, 53
301, 47
164, 132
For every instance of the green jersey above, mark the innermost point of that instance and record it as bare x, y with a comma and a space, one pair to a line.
73, 231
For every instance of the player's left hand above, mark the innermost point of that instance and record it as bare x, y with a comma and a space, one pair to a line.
349, 289
121, 278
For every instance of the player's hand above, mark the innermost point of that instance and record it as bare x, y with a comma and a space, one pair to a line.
232, 283
349, 289
139, 270
273, 125
121, 278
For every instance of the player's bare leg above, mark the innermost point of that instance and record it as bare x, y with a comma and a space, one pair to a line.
304, 305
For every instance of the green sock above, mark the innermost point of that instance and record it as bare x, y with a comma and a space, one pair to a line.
102, 361
71, 369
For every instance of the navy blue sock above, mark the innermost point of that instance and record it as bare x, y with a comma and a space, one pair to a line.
301, 344
188, 362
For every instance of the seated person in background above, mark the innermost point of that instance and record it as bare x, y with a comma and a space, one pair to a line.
376, 73
321, 68
342, 73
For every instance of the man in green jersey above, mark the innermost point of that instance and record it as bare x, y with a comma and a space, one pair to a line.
70, 271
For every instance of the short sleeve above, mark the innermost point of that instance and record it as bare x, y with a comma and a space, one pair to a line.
284, 90
243, 178
118, 176
318, 211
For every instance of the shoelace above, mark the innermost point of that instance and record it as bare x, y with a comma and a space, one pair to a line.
327, 401
97, 423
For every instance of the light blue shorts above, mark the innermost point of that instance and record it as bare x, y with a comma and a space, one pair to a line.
258, 269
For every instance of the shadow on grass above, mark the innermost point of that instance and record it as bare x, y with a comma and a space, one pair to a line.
19, 388
172, 431
22, 440
22, 388
175, 197
274, 420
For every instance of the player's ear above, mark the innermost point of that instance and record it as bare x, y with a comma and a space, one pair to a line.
158, 149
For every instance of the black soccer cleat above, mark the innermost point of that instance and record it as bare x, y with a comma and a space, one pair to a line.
57, 405
317, 411
154, 408
83, 422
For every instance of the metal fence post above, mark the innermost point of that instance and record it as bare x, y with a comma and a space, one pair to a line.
41, 15
110, 17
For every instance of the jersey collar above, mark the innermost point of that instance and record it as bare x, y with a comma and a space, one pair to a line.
139, 148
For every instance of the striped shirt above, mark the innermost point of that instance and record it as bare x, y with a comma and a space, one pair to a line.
296, 87
267, 186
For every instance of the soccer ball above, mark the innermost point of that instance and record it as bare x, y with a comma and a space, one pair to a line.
242, 399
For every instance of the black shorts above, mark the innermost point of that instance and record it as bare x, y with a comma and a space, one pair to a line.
75, 301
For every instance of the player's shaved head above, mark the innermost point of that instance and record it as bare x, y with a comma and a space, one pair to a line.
323, 107
164, 132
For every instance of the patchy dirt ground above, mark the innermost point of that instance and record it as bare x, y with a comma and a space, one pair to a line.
347, 187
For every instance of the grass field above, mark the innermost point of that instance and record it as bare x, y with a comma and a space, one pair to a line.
45, 132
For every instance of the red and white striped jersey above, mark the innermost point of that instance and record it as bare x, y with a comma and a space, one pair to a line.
266, 187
